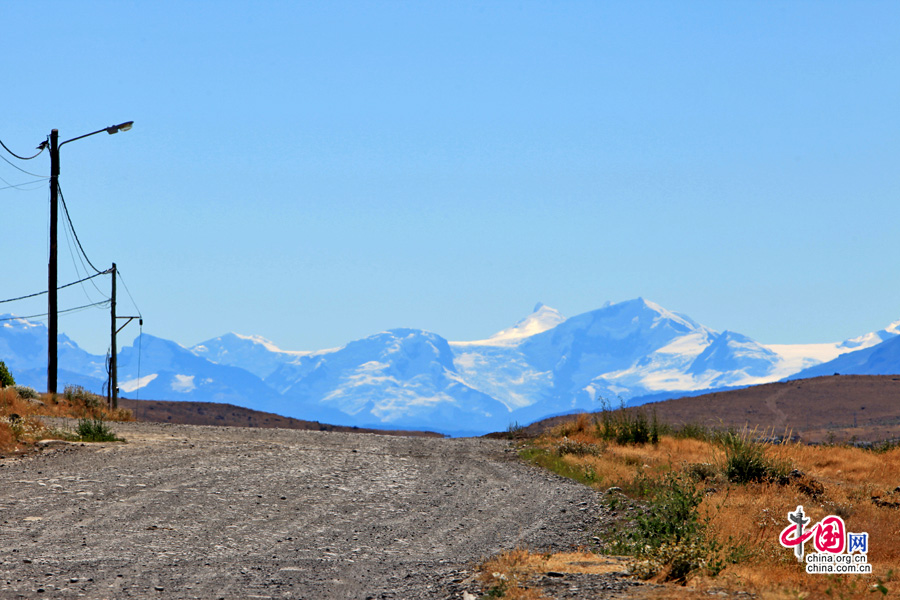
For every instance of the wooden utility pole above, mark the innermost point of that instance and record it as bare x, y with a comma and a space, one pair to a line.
53, 316
113, 363
52, 304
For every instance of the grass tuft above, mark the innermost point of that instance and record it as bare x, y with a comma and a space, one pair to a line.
95, 430
746, 460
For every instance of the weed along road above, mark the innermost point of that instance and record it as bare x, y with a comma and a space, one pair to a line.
184, 511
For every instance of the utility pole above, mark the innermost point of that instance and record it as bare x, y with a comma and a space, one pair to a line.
112, 396
53, 324
52, 304
113, 363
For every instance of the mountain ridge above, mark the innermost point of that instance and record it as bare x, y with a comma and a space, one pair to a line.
413, 379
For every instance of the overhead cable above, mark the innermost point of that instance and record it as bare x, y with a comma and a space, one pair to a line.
60, 312
41, 148
20, 168
62, 287
78, 262
72, 227
127, 291
21, 186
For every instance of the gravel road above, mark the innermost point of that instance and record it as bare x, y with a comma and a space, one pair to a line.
183, 511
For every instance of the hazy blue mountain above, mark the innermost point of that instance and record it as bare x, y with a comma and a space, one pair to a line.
251, 353
881, 359
621, 350
169, 371
543, 365
23, 347
400, 379
730, 352
37, 378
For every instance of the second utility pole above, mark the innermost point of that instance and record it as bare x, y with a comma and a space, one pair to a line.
113, 363
53, 323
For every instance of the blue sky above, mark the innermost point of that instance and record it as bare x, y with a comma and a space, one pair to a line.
315, 172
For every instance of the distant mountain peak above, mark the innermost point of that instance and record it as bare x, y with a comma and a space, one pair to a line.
258, 339
539, 321
871, 339
893, 328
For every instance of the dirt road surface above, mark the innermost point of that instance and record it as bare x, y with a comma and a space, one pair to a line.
184, 511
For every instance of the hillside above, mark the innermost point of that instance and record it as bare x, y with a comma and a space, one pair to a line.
839, 408
210, 413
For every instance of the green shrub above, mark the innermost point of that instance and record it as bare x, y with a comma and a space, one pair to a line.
27, 393
746, 460
628, 426
694, 431
567, 446
6, 378
668, 536
95, 430
701, 471
78, 396
516, 431
553, 461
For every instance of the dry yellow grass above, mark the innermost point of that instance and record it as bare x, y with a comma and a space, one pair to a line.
19, 418
7, 438
511, 571
746, 519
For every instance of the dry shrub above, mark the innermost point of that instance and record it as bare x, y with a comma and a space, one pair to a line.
7, 439
75, 402
507, 575
582, 425
12, 404
19, 423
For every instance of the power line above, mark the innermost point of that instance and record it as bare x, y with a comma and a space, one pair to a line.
68, 310
127, 291
78, 259
21, 186
72, 227
41, 148
62, 287
20, 168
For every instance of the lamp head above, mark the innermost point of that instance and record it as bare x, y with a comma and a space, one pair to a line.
121, 127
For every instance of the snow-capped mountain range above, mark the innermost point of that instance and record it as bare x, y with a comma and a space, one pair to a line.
545, 364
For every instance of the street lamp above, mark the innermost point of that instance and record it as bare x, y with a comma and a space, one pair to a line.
52, 306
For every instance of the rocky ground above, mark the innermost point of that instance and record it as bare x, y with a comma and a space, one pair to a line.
182, 511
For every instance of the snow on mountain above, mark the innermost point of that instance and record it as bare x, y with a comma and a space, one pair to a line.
578, 362
871, 339
398, 378
405, 378
540, 320
735, 353
23, 347
880, 359
798, 357
169, 371
616, 350
249, 352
